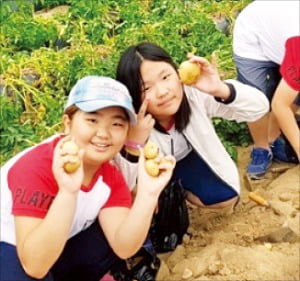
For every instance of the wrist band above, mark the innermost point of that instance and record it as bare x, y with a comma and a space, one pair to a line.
231, 97
131, 158
134, 145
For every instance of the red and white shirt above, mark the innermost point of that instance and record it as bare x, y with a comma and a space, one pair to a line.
28, 188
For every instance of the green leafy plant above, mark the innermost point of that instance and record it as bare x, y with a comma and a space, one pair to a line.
44, 52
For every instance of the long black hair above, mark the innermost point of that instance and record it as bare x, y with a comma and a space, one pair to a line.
129, 73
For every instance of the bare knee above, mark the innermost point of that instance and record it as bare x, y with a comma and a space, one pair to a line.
228, 203
196, 201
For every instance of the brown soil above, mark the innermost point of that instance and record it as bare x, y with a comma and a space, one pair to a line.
252, 242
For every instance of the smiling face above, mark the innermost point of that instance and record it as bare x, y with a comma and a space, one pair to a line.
163, 89
101, 134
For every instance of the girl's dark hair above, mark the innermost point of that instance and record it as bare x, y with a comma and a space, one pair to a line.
71, 110
128, 73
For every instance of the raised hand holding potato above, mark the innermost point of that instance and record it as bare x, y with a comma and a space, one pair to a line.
67, 165
209, 81
147, 181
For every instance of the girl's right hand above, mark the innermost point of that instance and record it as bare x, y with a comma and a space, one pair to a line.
69, 182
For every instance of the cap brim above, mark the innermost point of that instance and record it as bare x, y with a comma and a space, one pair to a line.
91, 106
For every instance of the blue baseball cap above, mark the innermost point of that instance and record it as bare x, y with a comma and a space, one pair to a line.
93, 93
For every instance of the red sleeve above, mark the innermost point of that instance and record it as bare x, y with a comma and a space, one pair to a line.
120, 195
32, 183
290, 67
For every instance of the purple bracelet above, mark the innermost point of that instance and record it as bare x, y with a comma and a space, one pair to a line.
134, 145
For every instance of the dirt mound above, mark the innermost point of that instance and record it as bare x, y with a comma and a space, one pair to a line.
252, 242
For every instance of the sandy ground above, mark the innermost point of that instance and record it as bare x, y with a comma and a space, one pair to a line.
252, 242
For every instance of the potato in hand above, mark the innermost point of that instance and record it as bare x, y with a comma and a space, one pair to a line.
150, 150
189, 72
72, 149
152, 167
153, 159
71, 167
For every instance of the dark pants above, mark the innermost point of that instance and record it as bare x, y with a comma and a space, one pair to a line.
86, 257
197, 177
263, 75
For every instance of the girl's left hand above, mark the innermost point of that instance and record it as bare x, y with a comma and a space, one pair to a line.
154, 185
209, 80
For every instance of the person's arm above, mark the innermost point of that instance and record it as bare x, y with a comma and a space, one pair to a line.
282, 108
231, 100
41, 241
137, 137
126, 230
248, 105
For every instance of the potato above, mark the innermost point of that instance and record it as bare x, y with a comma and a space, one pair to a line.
151, 167
71, 148
152, 156
150, 150
189, 72
71, 167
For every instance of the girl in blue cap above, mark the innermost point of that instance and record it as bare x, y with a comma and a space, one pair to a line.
63, 226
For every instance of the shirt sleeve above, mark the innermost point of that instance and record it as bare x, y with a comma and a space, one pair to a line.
120, 195
248, 105
290, 67
32, 184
